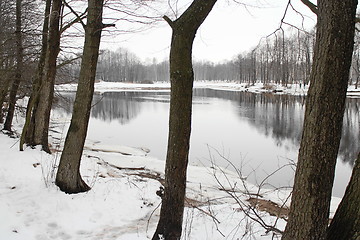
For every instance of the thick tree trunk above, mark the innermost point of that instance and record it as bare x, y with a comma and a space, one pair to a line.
46, 90
182, 78
346, 222
27, 135
170, 223
325, 105
19, 68
68, 176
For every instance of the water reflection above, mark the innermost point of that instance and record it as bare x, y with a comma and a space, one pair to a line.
120, 106
276, 116
350, 140
110, 106
279, 117
254, 131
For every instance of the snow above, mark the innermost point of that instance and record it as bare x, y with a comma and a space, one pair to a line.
258, 87
122, 203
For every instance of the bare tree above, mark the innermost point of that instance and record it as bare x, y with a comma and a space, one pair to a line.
356, 62
7, 60
325, 105
181, 77
42, 110
68, 176
19, 67
27, 135
11, 53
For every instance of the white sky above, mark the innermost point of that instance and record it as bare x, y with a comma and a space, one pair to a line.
228, 30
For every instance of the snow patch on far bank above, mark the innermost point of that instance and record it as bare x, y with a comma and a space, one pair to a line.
291, 89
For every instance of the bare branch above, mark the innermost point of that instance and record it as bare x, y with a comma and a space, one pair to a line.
250, 211
172, 9
78, 17
357, 20
282, 20
311, 6
68, 61
104, 25
168, 20
315, 9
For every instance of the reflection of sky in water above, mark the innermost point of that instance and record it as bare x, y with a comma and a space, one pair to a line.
257, 133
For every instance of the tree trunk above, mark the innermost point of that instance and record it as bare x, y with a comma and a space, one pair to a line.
181, 77
3, 92
27, 135
46, 90
68, 177
19, 68
325, 105
346, 222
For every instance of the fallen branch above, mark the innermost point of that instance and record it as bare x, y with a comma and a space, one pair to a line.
270, 207
128, 168
105, 150
150, 175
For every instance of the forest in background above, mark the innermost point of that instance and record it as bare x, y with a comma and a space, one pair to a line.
279, 59
285, 57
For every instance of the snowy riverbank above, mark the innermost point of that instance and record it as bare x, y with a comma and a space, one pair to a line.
122, 203
292, 89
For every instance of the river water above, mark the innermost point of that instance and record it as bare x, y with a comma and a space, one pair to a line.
255, 133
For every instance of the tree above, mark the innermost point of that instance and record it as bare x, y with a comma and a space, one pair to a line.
40, 102
19, 67
120, 65
356, 62
11, 53
42, 110
68, 177
346, 222
181, 77
7, 60
27, 135
325, 105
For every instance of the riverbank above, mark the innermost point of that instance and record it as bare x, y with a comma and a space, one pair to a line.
292, 89
122, 203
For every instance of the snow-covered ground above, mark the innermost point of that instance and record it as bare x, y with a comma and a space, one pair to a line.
122, 203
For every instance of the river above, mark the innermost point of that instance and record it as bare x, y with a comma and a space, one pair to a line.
255, 133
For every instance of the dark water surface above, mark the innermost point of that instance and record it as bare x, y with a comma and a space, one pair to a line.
257, 133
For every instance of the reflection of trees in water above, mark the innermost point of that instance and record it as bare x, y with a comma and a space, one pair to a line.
122, 106
281, 117
350, 140
109, 106
63, 102
277, 116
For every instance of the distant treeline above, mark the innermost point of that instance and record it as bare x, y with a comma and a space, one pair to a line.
278, 59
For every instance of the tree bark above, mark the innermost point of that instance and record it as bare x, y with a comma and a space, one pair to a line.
27, 135
346, 222
68, 177
19, 67
181, 78
3, 92
46, 90
325, 105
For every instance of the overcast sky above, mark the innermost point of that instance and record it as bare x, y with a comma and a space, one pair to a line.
229, 30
